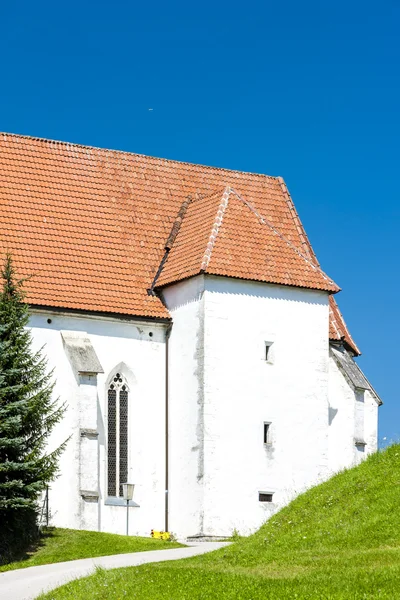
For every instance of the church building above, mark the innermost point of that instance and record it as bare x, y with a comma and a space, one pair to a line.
195, 339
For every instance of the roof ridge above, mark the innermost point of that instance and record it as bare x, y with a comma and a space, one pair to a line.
178, 222
299, 225
176, 226
215, 228
127, 153
334, 323
344, 333
265, 221
341, 331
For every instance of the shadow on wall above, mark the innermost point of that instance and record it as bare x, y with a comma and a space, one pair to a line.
124, 328
332, 412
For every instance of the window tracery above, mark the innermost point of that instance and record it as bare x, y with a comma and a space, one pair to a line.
117, 448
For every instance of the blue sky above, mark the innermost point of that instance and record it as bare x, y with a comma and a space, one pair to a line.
306, 90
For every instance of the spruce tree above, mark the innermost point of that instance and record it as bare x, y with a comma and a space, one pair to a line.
28, 413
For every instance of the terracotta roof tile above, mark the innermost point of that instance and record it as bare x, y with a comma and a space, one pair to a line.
338, 329
225, 235
89, 225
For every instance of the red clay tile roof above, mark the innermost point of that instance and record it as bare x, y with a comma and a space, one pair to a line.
89, 225
224, 235
338, 329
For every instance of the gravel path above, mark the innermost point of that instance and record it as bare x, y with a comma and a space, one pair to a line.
26, 584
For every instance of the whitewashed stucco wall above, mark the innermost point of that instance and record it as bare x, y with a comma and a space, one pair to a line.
222, 390
185, 302
371, 422
242, 390
353, 416
115, 342
342, 451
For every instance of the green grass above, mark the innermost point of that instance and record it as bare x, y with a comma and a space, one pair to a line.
340, 540
58, 545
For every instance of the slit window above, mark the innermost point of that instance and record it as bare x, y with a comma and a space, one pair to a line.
117, 438
267, 432
265, 496
268, 351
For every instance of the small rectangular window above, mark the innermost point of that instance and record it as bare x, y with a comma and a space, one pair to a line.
267, 432
265, 496
360, 444
268, 352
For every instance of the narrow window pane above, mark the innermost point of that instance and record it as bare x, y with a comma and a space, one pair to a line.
268, 351
123, 438
266, 433
112, 443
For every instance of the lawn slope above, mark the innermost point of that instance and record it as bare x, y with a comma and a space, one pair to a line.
339, 540
58, 545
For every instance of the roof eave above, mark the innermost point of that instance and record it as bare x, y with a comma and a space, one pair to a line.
370, 389
97, 313
162, 285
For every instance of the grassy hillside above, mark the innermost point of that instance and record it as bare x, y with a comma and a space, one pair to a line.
58, 545
340, 540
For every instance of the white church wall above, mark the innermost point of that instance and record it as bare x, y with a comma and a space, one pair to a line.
354, 418
115, 342
221, 391
64, 500
342, 407
243, 390
371, 422
88, 481
185, 302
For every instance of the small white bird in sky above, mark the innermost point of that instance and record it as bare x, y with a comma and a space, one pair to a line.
150, 109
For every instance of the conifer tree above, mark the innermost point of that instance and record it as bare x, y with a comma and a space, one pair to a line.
28, 414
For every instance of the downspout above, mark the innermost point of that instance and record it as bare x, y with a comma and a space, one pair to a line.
152, 292
167, 335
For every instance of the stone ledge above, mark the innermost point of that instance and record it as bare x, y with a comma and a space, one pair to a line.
89, 495
89, 433
113, 501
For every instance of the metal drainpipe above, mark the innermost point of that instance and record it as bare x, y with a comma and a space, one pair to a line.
167, 335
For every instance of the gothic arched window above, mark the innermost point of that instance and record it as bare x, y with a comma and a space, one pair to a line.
117, 449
